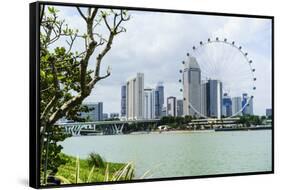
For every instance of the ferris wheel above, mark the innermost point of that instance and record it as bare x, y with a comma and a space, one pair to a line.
228, 63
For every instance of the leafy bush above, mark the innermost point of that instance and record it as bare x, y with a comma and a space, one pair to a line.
82, 173
96, 160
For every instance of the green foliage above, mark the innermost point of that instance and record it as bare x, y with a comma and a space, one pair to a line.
176, 122
52, 10
249, 120
78, 171
96, 160
65, 77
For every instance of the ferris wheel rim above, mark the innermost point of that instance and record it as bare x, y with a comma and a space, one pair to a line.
244, 55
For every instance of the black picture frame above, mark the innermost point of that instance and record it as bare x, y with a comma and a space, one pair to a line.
34, 93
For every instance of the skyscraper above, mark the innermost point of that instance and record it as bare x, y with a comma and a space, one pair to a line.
123, 100
204, 98
135, 97
268, 112
149, 103
159, 99
214, 98
236, 105
164, 112
105, 116
171, 106
247, 104
191, 87
179, 107
226, 105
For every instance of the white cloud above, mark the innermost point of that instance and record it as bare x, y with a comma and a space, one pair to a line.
156, 43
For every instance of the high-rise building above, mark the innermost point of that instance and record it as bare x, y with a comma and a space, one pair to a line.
247, 104
268, 112
226, 105
164, 112
159, 99
135, 97
204, 98
214, 98
171, 106
105, 116
149, 103
179, 107
250, 106
236, 106
95, 111
123, 100
191, 87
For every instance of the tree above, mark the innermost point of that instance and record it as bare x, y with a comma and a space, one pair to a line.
65, 79
248, 120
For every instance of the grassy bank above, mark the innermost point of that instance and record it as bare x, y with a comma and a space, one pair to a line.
80, 171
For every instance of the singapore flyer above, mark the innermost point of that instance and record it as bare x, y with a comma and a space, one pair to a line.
215, 72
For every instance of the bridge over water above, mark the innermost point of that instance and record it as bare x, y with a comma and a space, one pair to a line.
102, 127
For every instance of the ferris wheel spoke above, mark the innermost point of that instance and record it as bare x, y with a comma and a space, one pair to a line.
205, 63
210, 60
226, 62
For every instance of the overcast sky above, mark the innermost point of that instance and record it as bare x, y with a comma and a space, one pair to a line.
156, 44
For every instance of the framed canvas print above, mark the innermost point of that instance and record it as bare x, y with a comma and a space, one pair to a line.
123, 94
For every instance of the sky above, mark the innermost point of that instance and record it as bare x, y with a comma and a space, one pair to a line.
156, 44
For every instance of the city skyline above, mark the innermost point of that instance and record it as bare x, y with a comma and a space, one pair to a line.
143, 103
161, 59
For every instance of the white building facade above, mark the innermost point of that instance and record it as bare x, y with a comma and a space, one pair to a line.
236, 106
135, 97
171, 106
191, 87
149, 103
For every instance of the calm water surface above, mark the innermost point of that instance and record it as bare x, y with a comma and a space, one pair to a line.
181, 154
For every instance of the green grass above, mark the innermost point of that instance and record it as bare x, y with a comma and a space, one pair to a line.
80, 171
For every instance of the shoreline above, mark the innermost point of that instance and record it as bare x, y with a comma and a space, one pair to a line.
192, 131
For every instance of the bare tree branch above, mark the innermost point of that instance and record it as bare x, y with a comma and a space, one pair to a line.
81, 13
106, 23
95, 11
72, 39
90, 45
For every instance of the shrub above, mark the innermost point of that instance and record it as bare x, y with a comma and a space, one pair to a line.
96, 160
